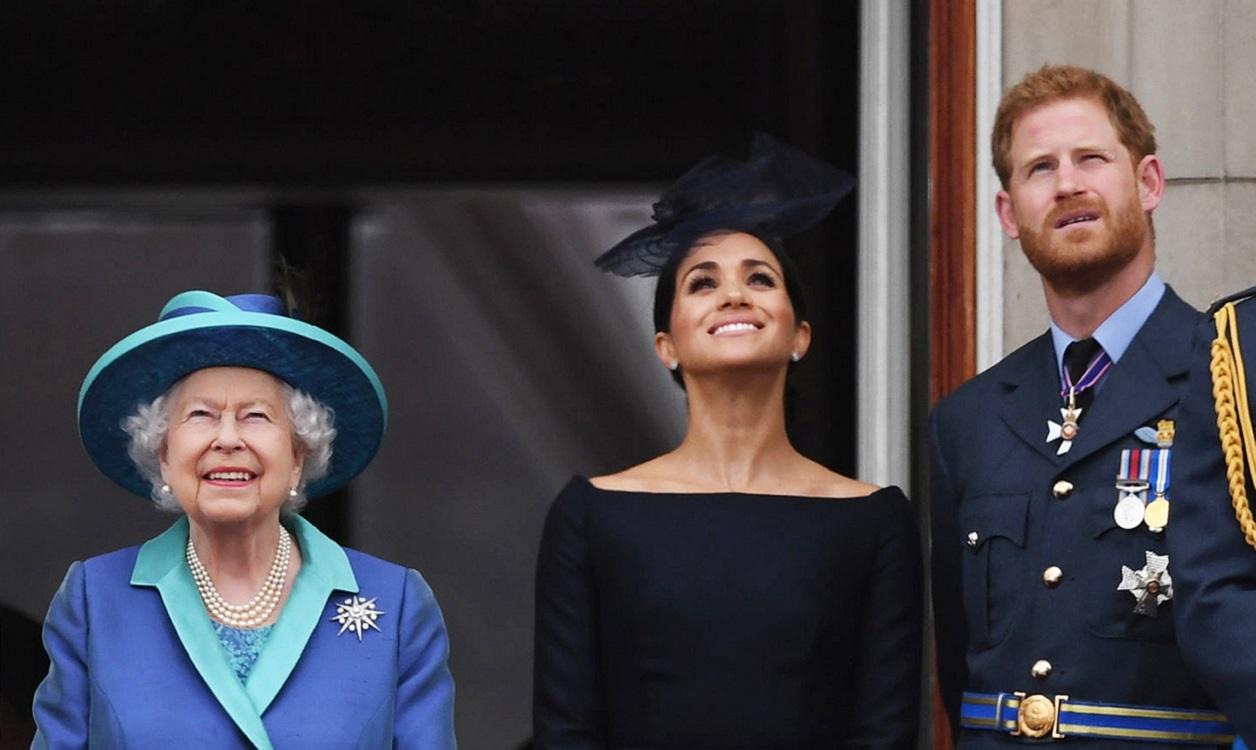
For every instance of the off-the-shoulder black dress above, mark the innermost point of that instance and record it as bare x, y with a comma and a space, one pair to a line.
727, 620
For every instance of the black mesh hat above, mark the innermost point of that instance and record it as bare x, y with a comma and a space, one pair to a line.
777, 192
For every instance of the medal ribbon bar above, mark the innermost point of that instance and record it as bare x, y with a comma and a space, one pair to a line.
1161, 459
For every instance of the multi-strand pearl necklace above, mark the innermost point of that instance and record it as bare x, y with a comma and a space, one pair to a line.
258, 610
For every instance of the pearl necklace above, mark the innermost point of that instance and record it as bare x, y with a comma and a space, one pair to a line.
258, 609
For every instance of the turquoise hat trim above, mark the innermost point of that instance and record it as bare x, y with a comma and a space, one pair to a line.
198, 329
229, 316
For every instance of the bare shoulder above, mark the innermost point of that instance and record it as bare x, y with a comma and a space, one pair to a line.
656, 475
824, 482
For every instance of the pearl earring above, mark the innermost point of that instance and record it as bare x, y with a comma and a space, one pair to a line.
795, 356
673, 365
165, 489
292, 492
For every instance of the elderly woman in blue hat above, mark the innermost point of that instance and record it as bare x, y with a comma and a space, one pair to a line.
730, 593
242, 625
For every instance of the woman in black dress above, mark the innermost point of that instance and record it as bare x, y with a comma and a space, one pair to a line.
731, 593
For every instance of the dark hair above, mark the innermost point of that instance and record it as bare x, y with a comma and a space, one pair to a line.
665, 289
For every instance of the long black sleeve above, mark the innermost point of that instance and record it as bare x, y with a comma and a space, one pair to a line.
567, 705
887, 710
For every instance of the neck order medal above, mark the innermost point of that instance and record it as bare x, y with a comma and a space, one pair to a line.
1067, 430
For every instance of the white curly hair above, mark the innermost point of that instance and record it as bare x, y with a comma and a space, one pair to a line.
313, 428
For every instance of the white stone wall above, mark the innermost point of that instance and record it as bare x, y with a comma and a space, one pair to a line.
1192, 65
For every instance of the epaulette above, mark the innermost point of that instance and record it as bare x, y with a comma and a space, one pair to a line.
1236, 297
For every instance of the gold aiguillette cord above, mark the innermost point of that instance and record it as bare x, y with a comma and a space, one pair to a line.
1234, 418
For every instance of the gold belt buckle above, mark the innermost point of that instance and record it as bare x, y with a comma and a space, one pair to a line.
1037, 715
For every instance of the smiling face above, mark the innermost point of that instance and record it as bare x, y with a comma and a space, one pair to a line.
730, 309
229, 455
1074, 198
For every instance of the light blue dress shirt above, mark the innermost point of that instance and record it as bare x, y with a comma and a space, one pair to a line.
1120, 328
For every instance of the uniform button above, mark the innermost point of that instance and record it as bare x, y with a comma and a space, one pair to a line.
1041, 669
1062, 489
973, 538
1052, 576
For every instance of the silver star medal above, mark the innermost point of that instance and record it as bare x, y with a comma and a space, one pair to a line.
357, 614
1066, 430
1151, 585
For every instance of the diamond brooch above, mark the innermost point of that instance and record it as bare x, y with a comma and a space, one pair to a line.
356, 615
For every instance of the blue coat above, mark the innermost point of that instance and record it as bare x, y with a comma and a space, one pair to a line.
136, 663
999, 524
1216, 569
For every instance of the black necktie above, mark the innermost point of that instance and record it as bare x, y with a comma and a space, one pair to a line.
1078, 357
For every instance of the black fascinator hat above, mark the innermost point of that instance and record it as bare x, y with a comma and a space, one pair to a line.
779, 191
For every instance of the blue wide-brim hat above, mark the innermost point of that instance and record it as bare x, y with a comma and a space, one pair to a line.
777, 192
196, 330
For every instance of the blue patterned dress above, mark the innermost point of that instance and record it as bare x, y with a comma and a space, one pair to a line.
243, 646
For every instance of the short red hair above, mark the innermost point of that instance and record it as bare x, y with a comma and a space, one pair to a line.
1055, 82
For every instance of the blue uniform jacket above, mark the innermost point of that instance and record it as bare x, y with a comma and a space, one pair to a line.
1000, 518
1216, 569
136, 663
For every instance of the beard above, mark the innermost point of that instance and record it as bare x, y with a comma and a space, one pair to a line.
1082, 260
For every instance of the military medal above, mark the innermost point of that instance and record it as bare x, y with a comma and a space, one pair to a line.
1131, 485
1067, 429
1157, 515
1129, 511
1151, 585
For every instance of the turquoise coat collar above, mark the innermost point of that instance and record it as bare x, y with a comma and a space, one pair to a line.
324, 569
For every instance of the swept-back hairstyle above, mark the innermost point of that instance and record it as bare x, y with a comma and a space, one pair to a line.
1055, 82
665, 290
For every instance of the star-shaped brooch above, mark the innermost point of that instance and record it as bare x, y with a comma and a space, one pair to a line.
357, 614
1151, 585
